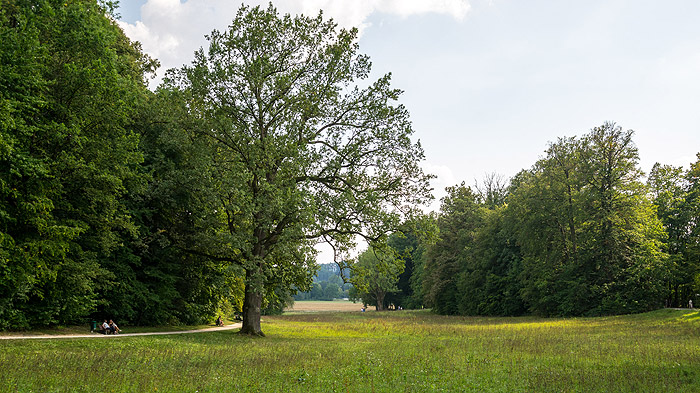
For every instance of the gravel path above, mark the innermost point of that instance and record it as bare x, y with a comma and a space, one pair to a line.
98, 335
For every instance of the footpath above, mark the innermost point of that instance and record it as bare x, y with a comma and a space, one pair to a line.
99, 335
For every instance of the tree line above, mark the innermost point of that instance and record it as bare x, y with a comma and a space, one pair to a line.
205, 195
86, 186
581, 232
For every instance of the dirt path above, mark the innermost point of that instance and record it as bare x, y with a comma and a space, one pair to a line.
98, 335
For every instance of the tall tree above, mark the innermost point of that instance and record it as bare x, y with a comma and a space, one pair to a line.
587, 230
409, 244
458, 224
545, 204
303, 153
490, 283
670, 192
376, 275
624, 259
693, 206
492, 190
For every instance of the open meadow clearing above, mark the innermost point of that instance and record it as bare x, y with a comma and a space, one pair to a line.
403, 351
323, 306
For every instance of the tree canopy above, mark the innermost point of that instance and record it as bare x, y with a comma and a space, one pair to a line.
71, 83
303, 152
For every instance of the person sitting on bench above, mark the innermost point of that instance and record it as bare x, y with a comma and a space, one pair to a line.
104, 328
113, 327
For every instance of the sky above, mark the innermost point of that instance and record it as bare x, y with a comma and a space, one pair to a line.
489, 83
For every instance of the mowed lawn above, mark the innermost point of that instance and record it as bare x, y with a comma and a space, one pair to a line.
400, 351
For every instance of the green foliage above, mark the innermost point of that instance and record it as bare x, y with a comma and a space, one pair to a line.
375, 275
95, 182
68, 156
160, 208
490, 284
474, 267
693, 206
167, 283
210, 193
589, 235
409, 244
577, 235
458, 224
327, 284
302, 154
675, 196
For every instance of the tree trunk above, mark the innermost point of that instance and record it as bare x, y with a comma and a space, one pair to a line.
380, 300
572, 226
251, 312
252, 302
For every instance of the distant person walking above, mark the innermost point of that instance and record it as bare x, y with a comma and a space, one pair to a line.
690, 303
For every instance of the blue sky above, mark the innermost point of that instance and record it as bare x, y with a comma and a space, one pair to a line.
490, 83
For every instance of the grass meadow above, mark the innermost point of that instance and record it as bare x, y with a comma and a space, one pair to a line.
304, 306
403, 351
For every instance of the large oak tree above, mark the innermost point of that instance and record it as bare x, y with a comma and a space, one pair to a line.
307, 149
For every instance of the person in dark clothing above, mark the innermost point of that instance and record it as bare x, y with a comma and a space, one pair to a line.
113, 327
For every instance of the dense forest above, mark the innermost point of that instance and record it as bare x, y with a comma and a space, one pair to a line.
582, 232
118, 201
89, 179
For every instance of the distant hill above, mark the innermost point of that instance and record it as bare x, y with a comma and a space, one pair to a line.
327, 285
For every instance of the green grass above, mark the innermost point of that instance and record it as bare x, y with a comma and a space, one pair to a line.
377, 352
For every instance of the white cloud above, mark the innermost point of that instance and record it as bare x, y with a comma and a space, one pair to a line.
456, 8
160, 44
445, 178
354, 13
171, 31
